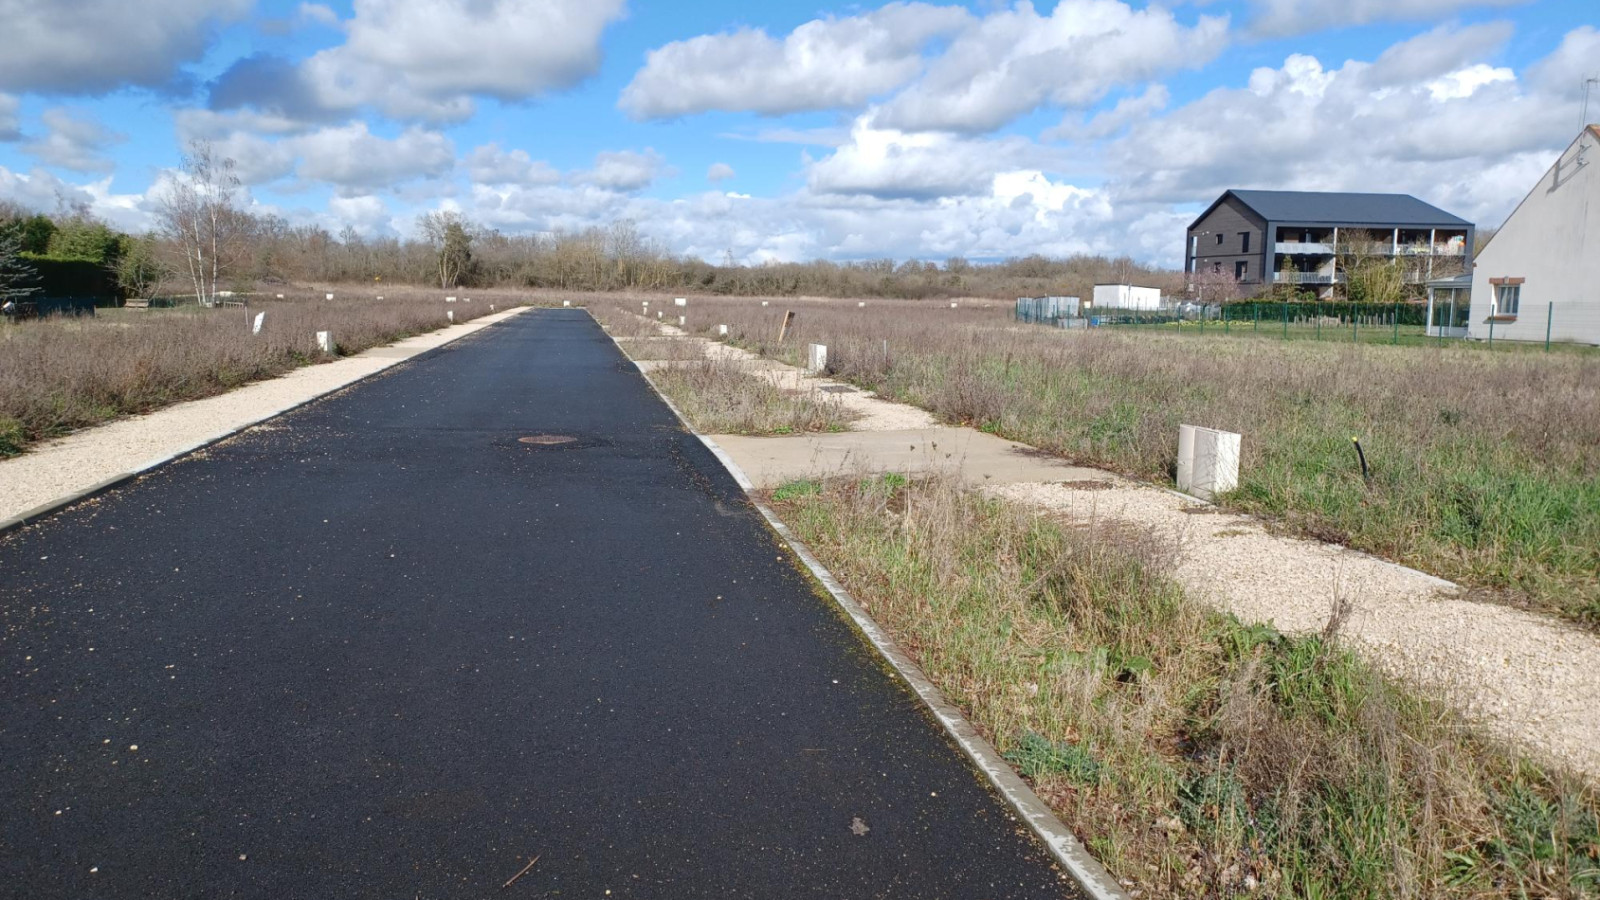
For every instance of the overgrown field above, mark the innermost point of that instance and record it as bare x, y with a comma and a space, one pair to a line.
1485, 465
717, 395
61, 374
1198, 757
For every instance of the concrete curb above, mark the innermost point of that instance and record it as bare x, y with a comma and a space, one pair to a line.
38, 512
1063, 845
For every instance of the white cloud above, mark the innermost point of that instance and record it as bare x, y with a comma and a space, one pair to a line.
1357, 128
42, 191
1015, 61
93, 46
489, 164
719, 172
10, 130
428, 60
1434, 53
367, 214
354, 158
624, 170
889, 164
1127, 111
828, 63
74, 141
317, 14
1281, 18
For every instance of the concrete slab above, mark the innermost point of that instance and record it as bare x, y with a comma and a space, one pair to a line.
973, 456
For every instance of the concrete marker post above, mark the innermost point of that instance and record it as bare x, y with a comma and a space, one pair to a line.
256, 327
451, 315
816, 358
722, 331
325, 342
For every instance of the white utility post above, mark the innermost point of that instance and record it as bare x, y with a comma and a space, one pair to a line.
722, 331
325, 342
816, 358
256, 328
1208, 461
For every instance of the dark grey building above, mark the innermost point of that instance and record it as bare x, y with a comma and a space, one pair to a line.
1260, 238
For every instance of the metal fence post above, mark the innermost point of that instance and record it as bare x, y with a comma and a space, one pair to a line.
1355, 324
1549, 319
1396, 315
1491, 334
1255, 313
1286, 321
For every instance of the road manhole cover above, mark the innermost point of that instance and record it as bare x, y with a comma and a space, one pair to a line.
545, 440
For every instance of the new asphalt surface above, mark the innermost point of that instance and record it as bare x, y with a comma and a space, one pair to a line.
380, 647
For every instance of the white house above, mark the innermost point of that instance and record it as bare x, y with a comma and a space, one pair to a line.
1539, 275
1126, 296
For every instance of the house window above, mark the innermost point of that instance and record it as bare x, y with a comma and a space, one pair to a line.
1240, 269
1244, 242
1507, 298
1219, 239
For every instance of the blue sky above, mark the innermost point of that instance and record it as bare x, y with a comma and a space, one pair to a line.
790, 130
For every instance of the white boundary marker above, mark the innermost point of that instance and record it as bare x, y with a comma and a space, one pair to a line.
1087, 871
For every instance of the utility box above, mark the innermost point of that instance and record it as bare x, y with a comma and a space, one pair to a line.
1126, 296
816, 358
1208, 461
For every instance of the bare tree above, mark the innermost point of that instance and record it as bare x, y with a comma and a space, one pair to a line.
447, 233
1372, 273
200, 216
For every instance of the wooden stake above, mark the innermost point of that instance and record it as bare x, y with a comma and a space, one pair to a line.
521, 873
788, 317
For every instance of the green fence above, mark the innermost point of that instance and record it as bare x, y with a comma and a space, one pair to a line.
1394, 323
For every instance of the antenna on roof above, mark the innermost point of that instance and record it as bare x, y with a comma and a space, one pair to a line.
1587, 83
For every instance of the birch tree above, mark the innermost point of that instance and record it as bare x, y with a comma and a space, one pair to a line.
199, 215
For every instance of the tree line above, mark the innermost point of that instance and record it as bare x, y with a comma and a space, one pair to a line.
205, 242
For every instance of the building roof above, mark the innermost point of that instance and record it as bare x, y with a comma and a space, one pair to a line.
1340, 208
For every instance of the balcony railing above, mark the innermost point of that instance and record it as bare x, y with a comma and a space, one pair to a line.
1307, 278
1381, 248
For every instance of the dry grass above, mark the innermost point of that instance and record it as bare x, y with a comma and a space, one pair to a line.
1486, 464
719, 396
1198, 757
58, 375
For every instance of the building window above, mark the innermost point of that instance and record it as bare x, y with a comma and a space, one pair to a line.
1240, 269
1507, 298
1219, 239
1216, 267
1244, 242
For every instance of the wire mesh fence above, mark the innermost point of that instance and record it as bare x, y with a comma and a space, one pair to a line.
1376, 323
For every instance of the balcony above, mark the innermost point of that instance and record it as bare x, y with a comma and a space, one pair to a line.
1303, 248
1307, 278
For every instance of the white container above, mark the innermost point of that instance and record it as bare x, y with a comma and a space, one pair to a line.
816, 358
1126, 296
1208, 461
325, 342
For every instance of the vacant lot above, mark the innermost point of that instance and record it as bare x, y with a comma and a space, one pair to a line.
1485, 465
57, 375
1197, 756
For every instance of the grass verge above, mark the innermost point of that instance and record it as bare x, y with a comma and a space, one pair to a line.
1196, 756
59, 375
720, 397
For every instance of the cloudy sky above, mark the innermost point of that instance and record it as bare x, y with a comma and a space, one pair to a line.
787, 130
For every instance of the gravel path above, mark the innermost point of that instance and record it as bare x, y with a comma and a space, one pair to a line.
80, 461
1527, 679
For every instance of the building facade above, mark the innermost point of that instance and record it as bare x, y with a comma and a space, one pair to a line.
1247, 241
1538, 278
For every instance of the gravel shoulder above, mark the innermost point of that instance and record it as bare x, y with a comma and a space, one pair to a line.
79, 462
1527, 679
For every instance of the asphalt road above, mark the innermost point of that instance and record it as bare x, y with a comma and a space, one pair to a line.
381, 648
